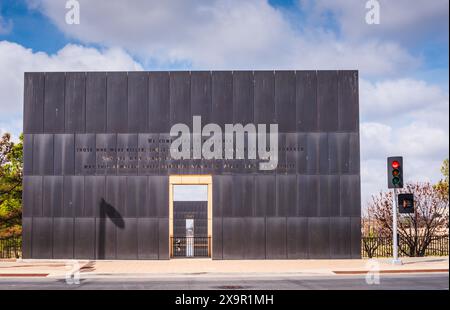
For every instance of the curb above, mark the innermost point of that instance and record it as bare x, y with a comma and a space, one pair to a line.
356, 272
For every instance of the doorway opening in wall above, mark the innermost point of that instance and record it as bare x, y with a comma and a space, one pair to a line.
190, 216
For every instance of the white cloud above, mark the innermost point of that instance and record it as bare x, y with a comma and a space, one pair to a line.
405, 97
404, 21
404, 117
15, 60
423, 146
223, 35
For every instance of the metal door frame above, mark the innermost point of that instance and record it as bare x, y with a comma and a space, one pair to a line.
190, 180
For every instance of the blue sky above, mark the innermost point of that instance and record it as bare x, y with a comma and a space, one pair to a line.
402, 61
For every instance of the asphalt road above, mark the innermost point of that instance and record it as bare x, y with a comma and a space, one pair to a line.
435, 281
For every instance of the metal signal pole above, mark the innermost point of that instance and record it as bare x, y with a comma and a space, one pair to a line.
396, 260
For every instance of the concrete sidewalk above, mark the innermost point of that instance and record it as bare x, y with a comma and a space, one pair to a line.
210, 268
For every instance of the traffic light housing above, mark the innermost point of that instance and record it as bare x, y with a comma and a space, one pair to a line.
395, 172
406, 203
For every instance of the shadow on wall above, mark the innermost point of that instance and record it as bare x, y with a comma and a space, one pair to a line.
107, 211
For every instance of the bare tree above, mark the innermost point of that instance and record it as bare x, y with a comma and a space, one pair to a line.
416, 231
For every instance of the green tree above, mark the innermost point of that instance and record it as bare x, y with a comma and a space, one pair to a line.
11, 174
442, 185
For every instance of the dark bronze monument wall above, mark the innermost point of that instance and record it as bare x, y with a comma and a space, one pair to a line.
96, 163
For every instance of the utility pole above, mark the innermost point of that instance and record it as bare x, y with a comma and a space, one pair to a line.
395, 260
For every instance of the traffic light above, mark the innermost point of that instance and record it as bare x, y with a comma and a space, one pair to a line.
406, 203
395, 172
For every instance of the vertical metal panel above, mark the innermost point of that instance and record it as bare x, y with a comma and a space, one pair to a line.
325, 197
276, 242
340, 238
355, 238
302, 146
264, 104
27, 231
201, 95
158, 102
94, 194
85, 154
329, 196
350, 195
334, 152
306, 99
312, 153
96, 102
319, 237
286, 195
73, 196
43, 154
75, 102
233, 230
201, 90
53, 196
149, 154
54, 102
136, 197
42, 238
217, 239
158, 195
127, 240
255, 238
323, 154
251, 164
327, 100
348, 100
243, 97
137, 102
63, 238
106, 152
166, 164
354, 154
64, 154
308, 195
281, 167
84, 238
163, 234
33, 113
27, 154
106, 238
117, 102
339, 152
127, 154
243, 195
116, 189
285, 102
292, 153
148, 240
222, 195
297, 238
222, 97
265, 195
32, 196
180, 95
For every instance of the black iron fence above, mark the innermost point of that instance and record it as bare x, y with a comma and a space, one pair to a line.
201, 247
382, 246
191, 246
10, 247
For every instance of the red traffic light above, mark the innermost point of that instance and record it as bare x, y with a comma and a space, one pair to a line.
395, 164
